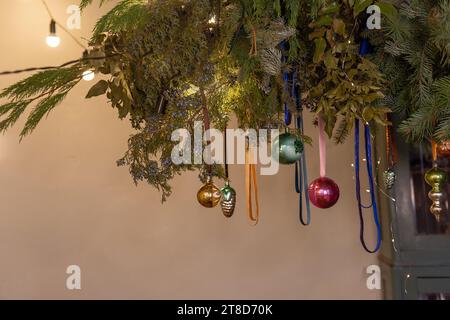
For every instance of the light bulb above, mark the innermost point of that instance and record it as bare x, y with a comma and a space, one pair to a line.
212, 20
88, 75
52, 39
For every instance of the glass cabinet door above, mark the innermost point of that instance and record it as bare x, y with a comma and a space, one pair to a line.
420, 160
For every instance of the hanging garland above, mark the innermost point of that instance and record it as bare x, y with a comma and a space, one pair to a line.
171, 63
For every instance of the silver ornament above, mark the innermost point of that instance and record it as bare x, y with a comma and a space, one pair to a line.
389, 178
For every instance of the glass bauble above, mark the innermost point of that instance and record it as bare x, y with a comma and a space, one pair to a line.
209, 195
323, 192
288, 148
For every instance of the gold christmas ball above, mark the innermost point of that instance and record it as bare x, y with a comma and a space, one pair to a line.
209, 195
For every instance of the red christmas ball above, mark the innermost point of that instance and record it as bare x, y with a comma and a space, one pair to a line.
323, 192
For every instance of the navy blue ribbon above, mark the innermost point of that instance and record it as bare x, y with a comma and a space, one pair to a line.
373, 205
287, 113
301, 170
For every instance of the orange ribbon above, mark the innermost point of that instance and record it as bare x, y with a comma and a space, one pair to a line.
391, 146
250, 178
434, 150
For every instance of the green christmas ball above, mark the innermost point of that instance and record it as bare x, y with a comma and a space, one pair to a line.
288, 148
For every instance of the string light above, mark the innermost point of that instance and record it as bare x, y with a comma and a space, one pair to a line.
88, 75
212, 21
53, 40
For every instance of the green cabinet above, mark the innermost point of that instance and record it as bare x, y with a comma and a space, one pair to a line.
415, 255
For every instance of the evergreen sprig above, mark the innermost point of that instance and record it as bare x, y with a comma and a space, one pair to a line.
128, 15
47, 88
416, 57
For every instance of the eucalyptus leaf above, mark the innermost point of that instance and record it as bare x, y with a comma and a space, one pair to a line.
98, 89
320, 46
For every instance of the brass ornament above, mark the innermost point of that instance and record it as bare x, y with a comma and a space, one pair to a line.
228, 201
437, 179
209, 195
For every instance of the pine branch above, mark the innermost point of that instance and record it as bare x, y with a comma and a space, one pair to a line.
40, 83
85, 3
421, 123
49, 88
127, 15
441, 89
42, 108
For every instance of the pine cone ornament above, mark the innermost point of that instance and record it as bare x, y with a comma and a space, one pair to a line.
228, 202
389, 178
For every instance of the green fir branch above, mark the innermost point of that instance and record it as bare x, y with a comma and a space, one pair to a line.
48, 88
85, 3
127, 15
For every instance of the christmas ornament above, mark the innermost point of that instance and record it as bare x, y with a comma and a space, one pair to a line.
443, 149
288, 147
389, 178
209, 195
228, 201
323, 192
437, 179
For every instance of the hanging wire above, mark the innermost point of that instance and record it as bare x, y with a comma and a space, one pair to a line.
71, 62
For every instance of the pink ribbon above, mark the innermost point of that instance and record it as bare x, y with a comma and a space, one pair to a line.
322, 148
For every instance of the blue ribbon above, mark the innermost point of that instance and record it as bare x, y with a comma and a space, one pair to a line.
287, 113
301, 170
368, 149
364, 47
